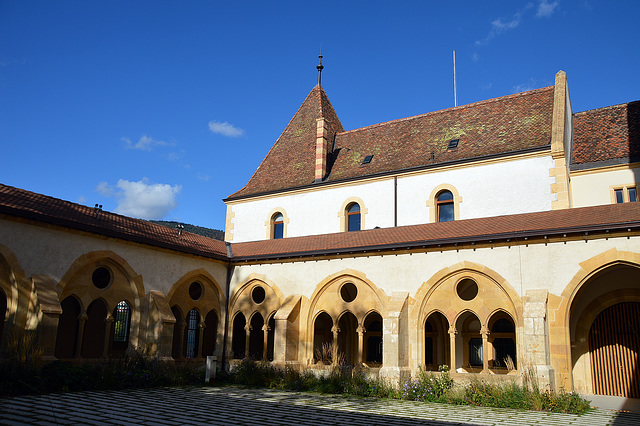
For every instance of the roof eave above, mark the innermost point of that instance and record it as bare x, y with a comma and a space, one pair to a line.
491, 238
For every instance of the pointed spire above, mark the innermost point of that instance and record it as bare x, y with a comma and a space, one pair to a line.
320, 67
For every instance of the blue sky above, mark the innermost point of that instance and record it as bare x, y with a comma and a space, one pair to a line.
160, 109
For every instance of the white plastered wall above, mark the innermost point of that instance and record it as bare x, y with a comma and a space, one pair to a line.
593, 188
494, 188
524, 267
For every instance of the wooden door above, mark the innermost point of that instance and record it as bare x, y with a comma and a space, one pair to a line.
614, 345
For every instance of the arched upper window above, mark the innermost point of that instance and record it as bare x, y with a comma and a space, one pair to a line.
277, 226
353, 217
445, 206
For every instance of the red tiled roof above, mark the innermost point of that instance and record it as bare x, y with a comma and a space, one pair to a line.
492, 127
491, 228
606, 134
495, 126
26, 204
292, 159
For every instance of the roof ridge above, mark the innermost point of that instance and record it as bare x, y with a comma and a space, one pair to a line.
473, 104
605, 108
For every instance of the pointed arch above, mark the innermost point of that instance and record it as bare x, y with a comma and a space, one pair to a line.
328, 297
450, 291
603, 281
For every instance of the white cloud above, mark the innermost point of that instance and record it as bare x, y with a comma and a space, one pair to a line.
142, 199
499, 25
225, 129
528, 85
204, 177
546, 9
145, 143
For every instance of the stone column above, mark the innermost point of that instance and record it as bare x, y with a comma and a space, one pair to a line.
107, 334
395, 340
360, 330
452, 348
181, 328
265, 331
485, 350
334, 347
82, 319
201, 328
536, 343
247, 339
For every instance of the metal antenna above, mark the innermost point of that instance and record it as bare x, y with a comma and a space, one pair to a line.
320, 67
455, 89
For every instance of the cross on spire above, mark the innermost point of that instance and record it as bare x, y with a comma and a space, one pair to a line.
319, 66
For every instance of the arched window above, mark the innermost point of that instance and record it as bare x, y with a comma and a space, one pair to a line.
353, 217
193, 320
445, 207
277, 226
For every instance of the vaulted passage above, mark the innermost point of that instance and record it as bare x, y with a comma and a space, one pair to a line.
614, 344
238, 342
67, 336
94, 330
436, 342
210, 333
323, 339
256, 337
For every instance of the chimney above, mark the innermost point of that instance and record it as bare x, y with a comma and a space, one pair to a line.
322, 148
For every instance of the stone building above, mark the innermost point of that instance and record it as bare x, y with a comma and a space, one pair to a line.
494, 237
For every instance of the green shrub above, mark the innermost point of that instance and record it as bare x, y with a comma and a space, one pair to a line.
427, 386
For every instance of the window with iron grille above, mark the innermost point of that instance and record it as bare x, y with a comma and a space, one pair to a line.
122, 318
193, 319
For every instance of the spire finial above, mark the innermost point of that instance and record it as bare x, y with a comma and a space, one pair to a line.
320, 67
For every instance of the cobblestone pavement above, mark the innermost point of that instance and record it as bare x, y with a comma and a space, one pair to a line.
235, 406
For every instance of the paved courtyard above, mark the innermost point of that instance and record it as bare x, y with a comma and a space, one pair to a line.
234, 406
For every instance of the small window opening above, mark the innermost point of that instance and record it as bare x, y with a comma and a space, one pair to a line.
367, 159
278, 226
453, 143
121, 322
353, 217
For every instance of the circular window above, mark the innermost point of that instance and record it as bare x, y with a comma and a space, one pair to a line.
101, 277
258, 295
195, 290
467, 289
348, 292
